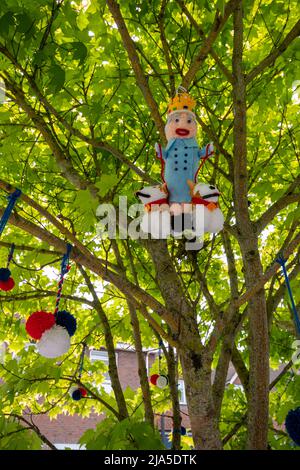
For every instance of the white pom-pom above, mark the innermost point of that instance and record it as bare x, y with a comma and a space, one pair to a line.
72, 389
162, 381
54, 342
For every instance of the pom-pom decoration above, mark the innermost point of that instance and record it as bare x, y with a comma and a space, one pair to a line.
6, 281
162, 381
53, 331
7, 285
77, 393
292, 424
153, 378
38, 323
65, 319
54, 342
181, 431
83, 392
4, 274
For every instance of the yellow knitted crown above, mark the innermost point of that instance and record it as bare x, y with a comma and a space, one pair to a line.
182, 101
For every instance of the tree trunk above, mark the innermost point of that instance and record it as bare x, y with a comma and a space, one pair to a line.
248, 241
196, 367
258, 405
197, 378
142, 370
173, 378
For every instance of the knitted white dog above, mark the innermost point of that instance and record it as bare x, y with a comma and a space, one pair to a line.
156, 219
207, 196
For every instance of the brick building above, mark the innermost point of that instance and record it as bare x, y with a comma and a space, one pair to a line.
66, 430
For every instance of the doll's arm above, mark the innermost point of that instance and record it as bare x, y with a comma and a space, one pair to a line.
207, 151
161, 154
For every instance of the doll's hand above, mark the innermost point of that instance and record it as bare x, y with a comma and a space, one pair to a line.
210, 149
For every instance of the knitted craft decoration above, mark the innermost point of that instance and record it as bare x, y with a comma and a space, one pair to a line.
181, 161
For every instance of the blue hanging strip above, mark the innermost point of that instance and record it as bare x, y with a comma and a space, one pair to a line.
65, 260
12, 198
63, 271
281, 260
160, 344
11, 254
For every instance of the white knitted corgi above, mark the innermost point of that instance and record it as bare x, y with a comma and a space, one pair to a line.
207, 196
156, 219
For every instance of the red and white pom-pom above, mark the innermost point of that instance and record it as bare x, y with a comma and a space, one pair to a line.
54, 342
77, 393
38, 323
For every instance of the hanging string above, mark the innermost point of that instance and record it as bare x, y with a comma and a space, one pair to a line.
281, 260
12, 198
11, 254
160, 344
180, 89
65, 268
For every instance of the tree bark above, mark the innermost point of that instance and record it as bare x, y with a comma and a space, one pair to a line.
142, 370
109, 342
248, 241
196, 365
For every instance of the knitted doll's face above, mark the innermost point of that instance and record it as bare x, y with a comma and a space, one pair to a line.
181, 125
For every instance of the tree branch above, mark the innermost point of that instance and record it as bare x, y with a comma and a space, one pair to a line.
273, 210
137, 67
267, 275
93, 142
200, 31
92, 263
63, 159
218, 24
270, 59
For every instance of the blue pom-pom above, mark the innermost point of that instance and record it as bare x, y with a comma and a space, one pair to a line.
183, 431
4, 274
65, 319
292, 424
76, 395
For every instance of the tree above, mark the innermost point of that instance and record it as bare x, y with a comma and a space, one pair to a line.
87, 85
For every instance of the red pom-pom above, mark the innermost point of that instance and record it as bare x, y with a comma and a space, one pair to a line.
82, 391
38, 323
153, 379
7, 285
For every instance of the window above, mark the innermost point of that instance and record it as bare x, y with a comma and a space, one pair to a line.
96, 355
182, 395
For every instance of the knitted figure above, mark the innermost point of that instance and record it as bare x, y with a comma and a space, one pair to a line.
182, 156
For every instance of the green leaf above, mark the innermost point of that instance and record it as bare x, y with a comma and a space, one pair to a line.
106, 183
82, 20
24, 22
6, 21
57, 79
79, 51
